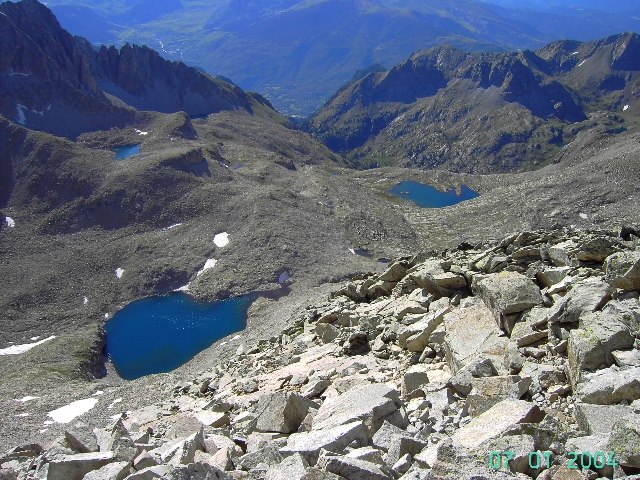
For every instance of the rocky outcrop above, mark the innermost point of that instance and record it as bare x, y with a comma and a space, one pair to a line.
58, 83
440, 386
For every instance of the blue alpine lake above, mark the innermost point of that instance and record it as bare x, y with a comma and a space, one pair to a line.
426, 196
126, 151
158, 334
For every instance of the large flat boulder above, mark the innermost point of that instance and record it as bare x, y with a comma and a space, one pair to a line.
282, 412
368, 403
488, 391
495, 422
333, 439
610, 386
75, 467
598, 419
472, 334
590, 347
434, 277
354, 469
507, 293
111, 471
622, 270
625, 442
585, 297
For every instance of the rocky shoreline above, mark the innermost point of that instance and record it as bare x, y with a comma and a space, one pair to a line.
483, 362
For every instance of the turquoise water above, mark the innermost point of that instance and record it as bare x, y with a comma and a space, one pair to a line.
126, 151
158, 334
426, 196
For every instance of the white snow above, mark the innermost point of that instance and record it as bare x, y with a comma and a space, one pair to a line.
98, 393
236, 337
9, 222
352, 251
22, 120
210, 263
18, 349
625, 108
114, 403
184, 288
73, 410
173, 226
583, 215
33, 339
575, 53
221, 239
23, 415
119, 272
85, 301
106, 316
48, 422
12, 73
44, 430
27, 399
140, 132
582, 62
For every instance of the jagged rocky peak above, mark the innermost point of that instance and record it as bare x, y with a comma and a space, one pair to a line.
58, 83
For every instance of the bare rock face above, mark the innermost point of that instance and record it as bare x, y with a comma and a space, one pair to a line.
623, 270
281, 412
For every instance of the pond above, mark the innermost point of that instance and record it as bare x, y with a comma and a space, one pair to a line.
158, 334
426, 196
126, 151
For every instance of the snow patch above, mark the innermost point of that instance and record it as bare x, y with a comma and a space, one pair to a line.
22, 119
352, 251
172, 226
221, 239
236, 338
44, 430
27, 399
119, 272
23, 415
85, 301
184, 288
583, 215
18, 349
33, 339
582, 63
575, 53
73, 410
106, 316
140, 132
98, 393
114, 403
625, 108
209, 264
9, 222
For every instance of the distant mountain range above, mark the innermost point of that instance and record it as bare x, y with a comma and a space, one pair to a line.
484, 112
298, 53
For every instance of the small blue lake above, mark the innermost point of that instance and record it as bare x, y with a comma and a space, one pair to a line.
426, 196
126, 151
158, 334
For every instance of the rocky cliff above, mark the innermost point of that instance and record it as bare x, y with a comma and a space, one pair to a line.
483, 112
458, 366
52, 81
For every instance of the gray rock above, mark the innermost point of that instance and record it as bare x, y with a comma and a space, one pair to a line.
258, 440
315, 388
367, 403
551, 276
507, 293
472, 334
333, 439
385, 434
112, 471
495, 422
401, 445
368, 454
625, 442
152, 473
627, 311
268, 455
591, 345
598, 419
489, 391
521, 446
432, 277
462, 380
626, 358
415, 377
532, 327
282, 412
415, 337
609, 386
585, 297
354, 469
82, 438
291, 468
622, 270
75, 467
196, 471
402, 465
326, 332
